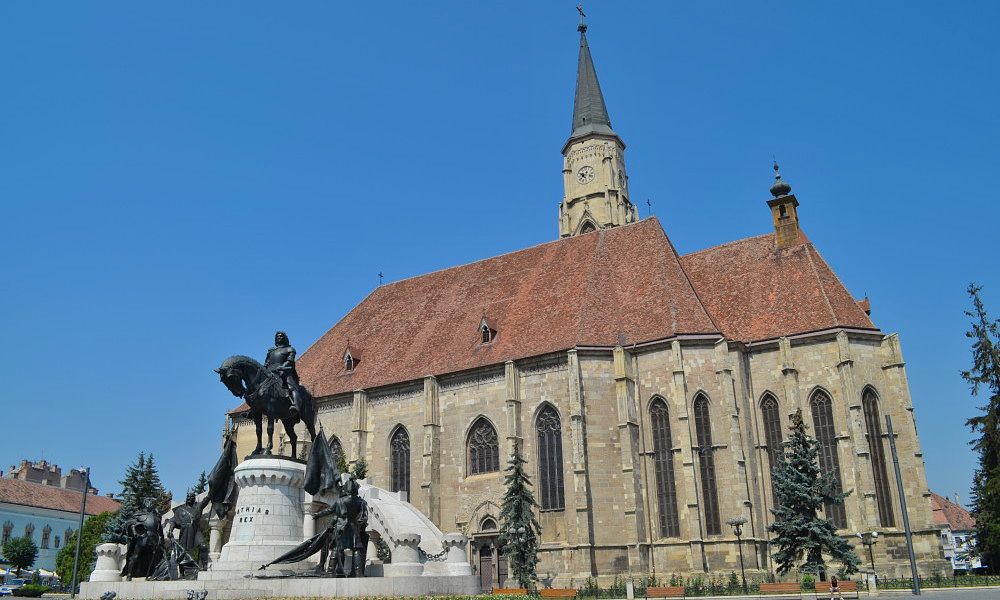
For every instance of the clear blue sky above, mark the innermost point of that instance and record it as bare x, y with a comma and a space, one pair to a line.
178, 180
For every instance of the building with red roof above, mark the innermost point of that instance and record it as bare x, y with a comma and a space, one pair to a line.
648, 391
958, 532
38, 502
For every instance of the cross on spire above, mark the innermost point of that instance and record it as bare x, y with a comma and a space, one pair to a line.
583, 23
380, 278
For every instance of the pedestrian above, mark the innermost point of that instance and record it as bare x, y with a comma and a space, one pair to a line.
835, 588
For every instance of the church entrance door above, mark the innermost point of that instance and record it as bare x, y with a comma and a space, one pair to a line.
486, 568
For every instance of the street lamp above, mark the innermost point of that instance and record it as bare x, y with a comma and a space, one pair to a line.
79, 531
517, 534
869, 539
737, 524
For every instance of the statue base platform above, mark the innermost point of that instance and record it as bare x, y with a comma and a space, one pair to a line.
289, 587
267, 521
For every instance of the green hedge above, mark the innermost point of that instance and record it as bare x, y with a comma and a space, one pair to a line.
30, 590
939, 581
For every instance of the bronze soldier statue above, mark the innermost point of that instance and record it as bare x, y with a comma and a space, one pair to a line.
145, 541
348, 531
281, 361
189, 520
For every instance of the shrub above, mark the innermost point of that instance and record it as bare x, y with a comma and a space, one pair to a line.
31, 590
808, 583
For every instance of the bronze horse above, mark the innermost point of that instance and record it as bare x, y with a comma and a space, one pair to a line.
265, 394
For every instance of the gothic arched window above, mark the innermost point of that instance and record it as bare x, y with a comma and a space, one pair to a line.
29, 530
56, 545
588, 227
336, 449
8, 528
826, 436
68, 533
771, 415
873, 427
663, 461
46, 532
550, 459
399, 451
484, 449
706, 466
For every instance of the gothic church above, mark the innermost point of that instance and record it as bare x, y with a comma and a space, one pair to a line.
646, 389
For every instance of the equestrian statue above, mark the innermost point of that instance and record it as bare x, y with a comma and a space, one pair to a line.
271, 390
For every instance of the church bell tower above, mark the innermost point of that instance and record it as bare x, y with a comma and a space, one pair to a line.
594, 177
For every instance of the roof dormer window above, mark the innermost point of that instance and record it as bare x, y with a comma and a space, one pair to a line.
486, 332
349, 361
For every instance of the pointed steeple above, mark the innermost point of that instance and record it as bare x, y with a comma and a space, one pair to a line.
594, 179
590, 113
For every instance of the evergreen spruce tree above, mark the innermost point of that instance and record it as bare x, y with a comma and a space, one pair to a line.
141, 481
801, 534
985, 373
201, 485
519, 530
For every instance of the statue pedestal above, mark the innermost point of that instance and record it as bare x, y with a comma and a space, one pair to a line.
109, 562
268, 518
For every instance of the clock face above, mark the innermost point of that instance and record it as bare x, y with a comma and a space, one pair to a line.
585, 174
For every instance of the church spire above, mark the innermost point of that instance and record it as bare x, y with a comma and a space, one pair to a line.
590, 113
594, 179
784, 212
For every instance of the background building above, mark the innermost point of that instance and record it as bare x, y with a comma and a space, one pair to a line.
647, 390
958, 532
36, 501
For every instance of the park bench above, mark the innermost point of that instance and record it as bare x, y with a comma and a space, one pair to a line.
510, 592
792, 588
665, 592
848, 589
557, 593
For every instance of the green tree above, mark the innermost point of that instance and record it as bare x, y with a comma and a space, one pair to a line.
93, 528
360, 469
201, 485
801, 492
519, 530
141, 481
984, 376
21, 552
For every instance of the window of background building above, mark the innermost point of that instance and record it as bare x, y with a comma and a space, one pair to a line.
663, 462
399, 463
484, 449
771, 415
550, 459
826, 436
706, 465
873, 429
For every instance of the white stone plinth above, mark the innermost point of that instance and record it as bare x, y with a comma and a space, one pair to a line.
405, 556
457, 559
267, 521
241, 587
108, 566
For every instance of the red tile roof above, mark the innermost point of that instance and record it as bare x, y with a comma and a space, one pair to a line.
24, 493
578, 291
949, 514
621, 285
755, 292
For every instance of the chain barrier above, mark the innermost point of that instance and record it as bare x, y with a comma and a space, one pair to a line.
438, 557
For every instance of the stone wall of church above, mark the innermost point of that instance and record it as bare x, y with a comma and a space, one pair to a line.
610, 524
